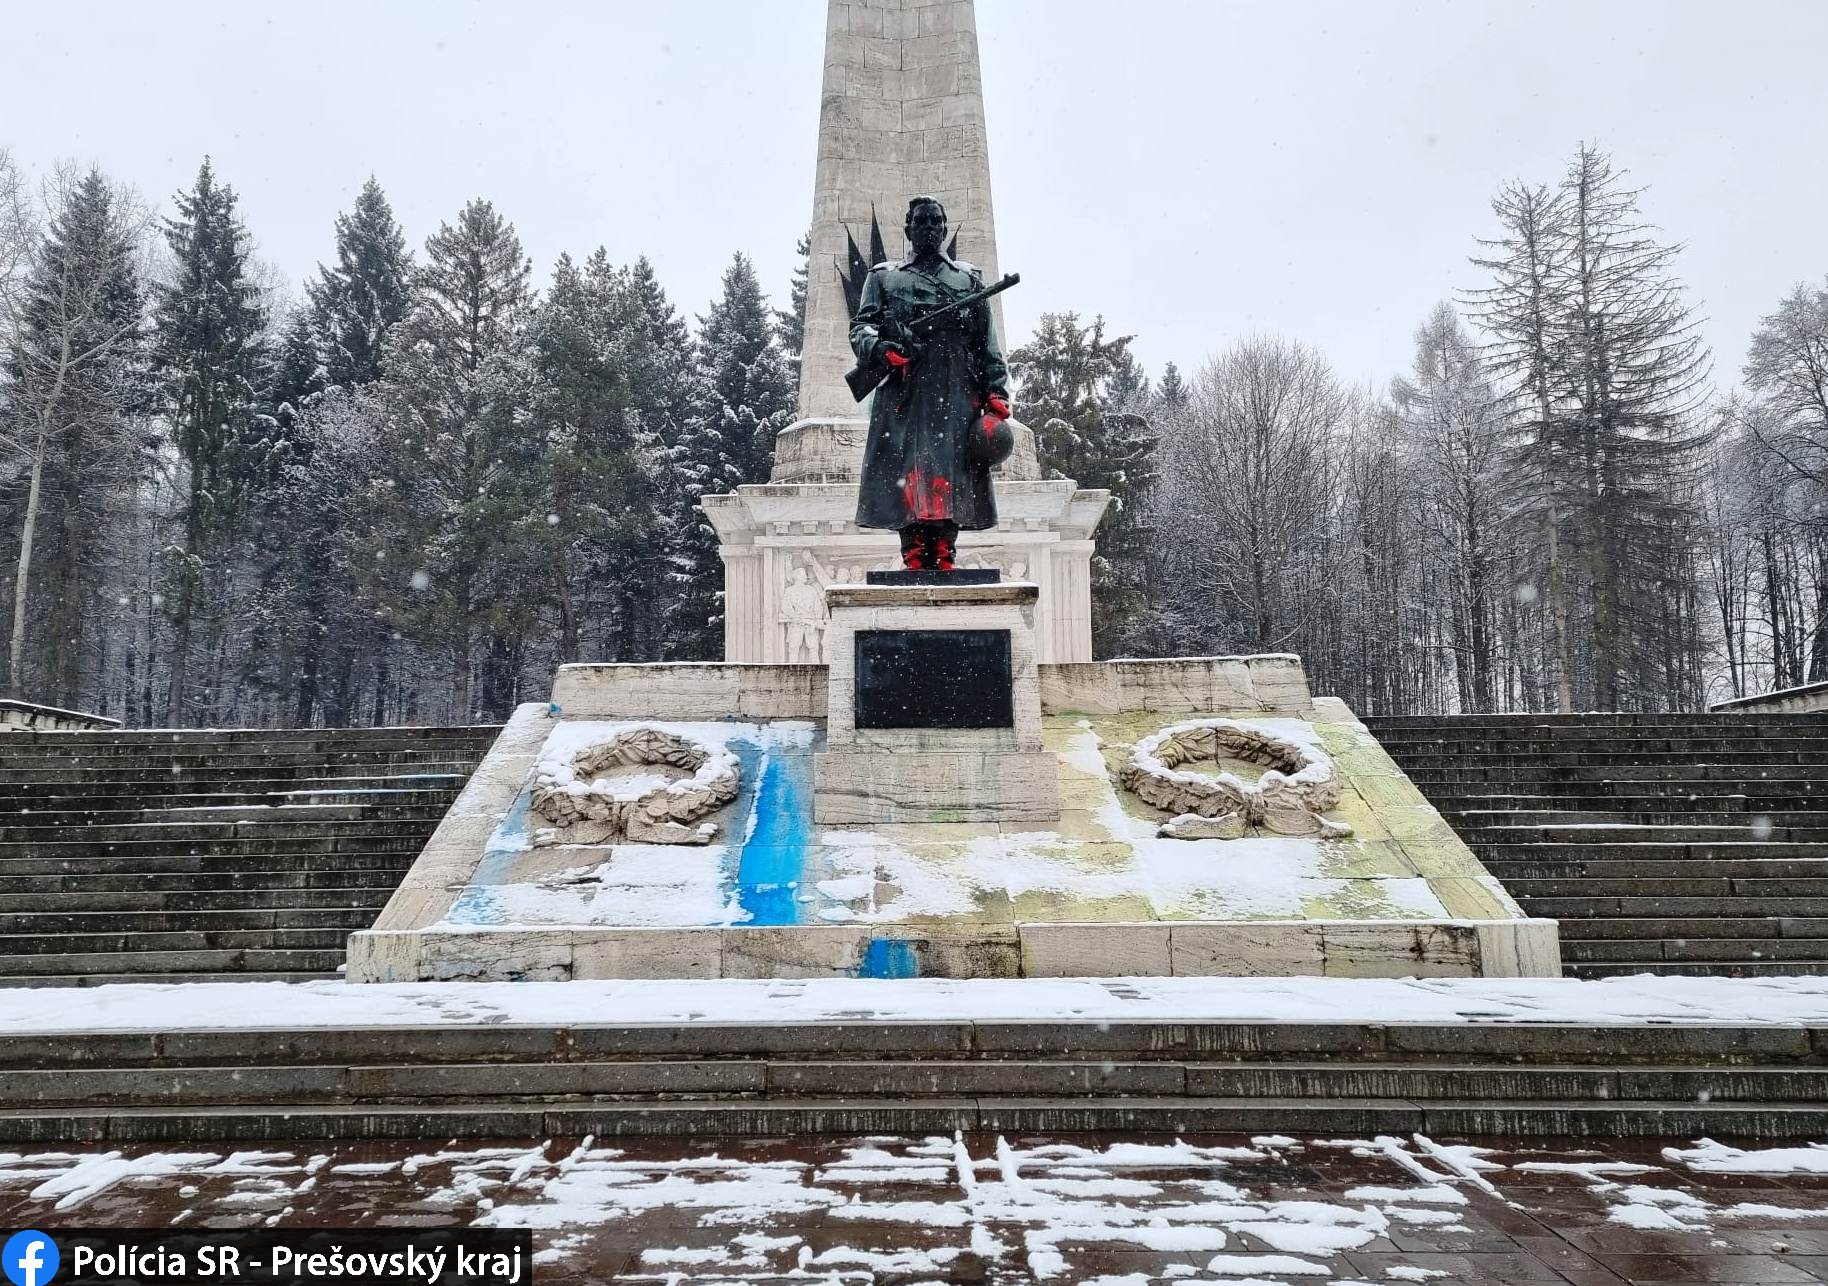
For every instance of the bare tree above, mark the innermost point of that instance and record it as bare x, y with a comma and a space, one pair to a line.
1248, 467
70, 304
1457, 429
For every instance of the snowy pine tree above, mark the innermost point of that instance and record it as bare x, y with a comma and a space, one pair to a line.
748, 398
208, 351
790, 322
600, 465
355, 303
453, 524
1086, 398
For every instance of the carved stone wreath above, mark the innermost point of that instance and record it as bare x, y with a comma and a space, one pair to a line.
592, 810
1288, 799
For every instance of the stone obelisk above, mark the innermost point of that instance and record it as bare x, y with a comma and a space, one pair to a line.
901, 113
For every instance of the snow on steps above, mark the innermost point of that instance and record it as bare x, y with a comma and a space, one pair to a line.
1636, 1056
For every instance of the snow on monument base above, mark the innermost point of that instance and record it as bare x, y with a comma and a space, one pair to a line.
757, 888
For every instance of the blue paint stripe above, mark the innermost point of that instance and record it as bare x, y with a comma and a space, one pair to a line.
773, 859
479, 903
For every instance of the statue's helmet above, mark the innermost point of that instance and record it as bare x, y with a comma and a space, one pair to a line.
991, 442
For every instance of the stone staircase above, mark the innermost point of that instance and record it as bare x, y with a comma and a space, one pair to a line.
511, 1079
1680, 843
180, 856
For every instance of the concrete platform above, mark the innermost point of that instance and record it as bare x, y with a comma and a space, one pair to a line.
1096, 893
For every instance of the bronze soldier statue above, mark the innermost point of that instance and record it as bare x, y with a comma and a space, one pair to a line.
938, 424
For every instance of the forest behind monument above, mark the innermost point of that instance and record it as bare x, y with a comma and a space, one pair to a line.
407, 489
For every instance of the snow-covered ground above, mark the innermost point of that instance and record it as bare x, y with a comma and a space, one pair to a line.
1637, 999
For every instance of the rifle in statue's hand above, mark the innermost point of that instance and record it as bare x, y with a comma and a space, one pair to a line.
864, 377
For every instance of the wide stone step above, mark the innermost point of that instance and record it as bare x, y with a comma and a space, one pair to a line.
1629, 833
1766, 748
1731, 797
1570, 1041
1603, 719
17, 948
1695, 926
1524, 868
1679, 797
86, 855
1599, 887
281, 826
144, 966
373, 875
393, 857
234, 736
1656, 950
1702, 968
1601, 813
415, 805
863, 1076
1750, 758
161, 897
1517, 776
74, 981
1581, 908
1726, 888
17, 748
1489, 850
216, 772
557, 1082
215, 758
125, 790
713, 1118
94, 920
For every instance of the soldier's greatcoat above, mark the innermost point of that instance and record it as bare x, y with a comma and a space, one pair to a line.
915, 464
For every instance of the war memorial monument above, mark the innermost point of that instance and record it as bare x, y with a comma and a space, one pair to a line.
908, 764
910, 943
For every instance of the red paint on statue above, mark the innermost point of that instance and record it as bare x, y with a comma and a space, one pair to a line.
927, 496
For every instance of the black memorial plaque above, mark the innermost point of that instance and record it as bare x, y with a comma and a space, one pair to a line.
934, 679
957, 576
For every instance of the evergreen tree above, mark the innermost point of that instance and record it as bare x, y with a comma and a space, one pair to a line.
1604, 364
748, 398
790, 322
1522, 312
208, 352
599, 476
1087, 398
355, 303
666, 399
452, 529
333, 343
1632, 374
1171, 393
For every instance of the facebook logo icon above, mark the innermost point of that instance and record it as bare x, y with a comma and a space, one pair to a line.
30, 1258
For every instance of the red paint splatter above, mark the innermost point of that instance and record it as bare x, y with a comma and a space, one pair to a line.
927, 496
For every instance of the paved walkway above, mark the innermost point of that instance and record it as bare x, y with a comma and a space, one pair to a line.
1076, 1209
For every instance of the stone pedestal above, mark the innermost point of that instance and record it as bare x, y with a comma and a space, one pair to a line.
783, 544
894, 756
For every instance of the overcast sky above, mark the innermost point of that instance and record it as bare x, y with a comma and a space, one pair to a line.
1194, 171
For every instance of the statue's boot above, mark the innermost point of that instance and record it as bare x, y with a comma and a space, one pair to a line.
914, 547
